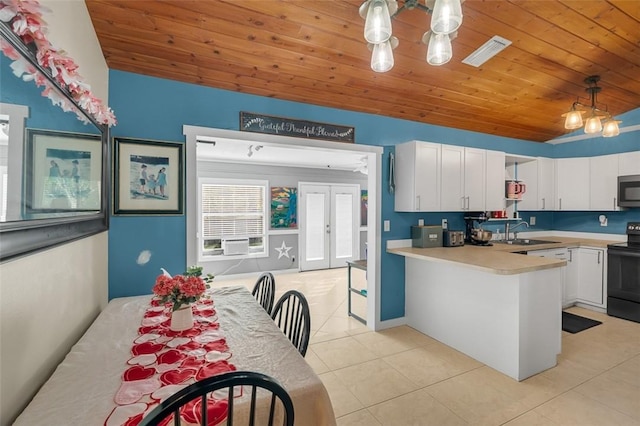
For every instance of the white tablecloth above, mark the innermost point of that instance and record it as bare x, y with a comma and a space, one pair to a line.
82, 388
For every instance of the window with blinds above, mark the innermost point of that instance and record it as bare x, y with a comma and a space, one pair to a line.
232, 212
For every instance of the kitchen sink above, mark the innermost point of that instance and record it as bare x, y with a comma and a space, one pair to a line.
525, 242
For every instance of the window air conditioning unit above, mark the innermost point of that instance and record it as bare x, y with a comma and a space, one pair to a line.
235, 247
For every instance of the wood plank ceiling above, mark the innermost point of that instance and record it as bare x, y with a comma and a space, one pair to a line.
313, 51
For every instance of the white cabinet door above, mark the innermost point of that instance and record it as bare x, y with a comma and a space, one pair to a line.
591, 280
629, 163
572, 275
528, 174
494, 182
546, 183
572, 180
603, 182
452, 196
417, 177
474, 178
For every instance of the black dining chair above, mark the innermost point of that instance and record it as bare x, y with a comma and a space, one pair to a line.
201, 389
265, 291
291, 314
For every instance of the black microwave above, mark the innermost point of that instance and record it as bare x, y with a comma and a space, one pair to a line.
629, 191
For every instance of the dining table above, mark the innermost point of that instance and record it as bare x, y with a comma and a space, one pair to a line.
122, 367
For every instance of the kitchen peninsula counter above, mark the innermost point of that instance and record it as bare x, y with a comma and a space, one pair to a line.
501, 308
500, 258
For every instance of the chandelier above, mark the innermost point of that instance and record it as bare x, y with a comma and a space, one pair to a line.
598, 119
446, 17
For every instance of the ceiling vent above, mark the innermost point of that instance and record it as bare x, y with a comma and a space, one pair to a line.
487, 51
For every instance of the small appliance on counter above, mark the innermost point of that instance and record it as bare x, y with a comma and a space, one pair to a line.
452, 238
426, 236
477, 235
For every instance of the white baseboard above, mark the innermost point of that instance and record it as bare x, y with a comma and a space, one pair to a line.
395, 322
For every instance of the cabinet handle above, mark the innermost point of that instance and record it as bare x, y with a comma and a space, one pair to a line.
559, 203
468, 203
570, 255
614, 202
544, 207
599, 257
462, 199
418, 202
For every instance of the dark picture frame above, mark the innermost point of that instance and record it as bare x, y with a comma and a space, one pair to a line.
62, 173
148, 177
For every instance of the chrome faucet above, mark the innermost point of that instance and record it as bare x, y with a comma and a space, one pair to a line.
508, 228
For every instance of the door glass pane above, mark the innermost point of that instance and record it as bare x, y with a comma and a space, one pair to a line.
344, 225
315, 221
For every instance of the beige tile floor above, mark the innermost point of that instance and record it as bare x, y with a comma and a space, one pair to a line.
401, 377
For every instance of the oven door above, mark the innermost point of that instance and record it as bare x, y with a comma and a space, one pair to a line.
623, 283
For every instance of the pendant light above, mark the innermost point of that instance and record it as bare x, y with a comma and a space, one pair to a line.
382, 55
599, 119
446, 17
377, 26
439, 51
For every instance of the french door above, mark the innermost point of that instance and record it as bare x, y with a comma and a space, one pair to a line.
329, 225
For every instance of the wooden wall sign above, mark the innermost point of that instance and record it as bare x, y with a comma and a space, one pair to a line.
258, 123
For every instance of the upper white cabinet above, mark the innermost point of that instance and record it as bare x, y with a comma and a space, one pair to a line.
603, 182
539, 178
629, 163
546, 183
463, 178
494, 182
417, 171
572, 183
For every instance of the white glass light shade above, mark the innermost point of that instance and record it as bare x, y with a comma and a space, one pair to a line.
593, 125
382, 57
573, 119
610, 129
377, 27
446, 17
439, 50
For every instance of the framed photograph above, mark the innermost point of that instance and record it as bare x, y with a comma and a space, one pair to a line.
148, 177
62, 173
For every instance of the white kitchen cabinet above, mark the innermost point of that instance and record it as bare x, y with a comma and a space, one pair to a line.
572, 183
539, 176
629, 163
463, 178
591, 289
603, 181
571, 272
494, 181
417, 171
546, 183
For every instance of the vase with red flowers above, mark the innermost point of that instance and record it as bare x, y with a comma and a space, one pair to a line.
181, 291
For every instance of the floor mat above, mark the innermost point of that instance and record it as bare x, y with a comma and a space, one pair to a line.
574, 323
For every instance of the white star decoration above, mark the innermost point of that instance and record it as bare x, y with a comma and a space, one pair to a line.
283, 250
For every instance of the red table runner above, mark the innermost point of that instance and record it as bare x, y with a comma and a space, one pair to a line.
164, 361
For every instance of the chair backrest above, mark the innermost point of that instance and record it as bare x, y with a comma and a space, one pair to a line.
195, 396
265, 291
291, 314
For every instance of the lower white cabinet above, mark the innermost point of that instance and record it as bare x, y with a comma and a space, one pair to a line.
570, 277
591, 284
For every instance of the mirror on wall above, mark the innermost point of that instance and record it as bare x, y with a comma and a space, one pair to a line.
53, 165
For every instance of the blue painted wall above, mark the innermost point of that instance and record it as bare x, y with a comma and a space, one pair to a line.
154, 108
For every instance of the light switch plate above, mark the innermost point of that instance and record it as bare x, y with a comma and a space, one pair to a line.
532, 220
420, 222
445, 224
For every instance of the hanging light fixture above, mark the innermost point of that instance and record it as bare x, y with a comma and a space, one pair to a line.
598, 119
445, 21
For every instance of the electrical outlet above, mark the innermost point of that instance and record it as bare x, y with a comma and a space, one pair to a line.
420, 222
532, 220
445, 224
387, 225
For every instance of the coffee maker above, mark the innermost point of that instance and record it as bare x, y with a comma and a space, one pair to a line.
470, 221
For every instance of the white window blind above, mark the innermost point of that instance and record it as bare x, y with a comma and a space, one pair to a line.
232, 211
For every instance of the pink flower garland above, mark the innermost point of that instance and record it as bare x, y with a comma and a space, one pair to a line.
25, 18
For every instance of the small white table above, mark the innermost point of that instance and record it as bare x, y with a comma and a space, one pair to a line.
81, 390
